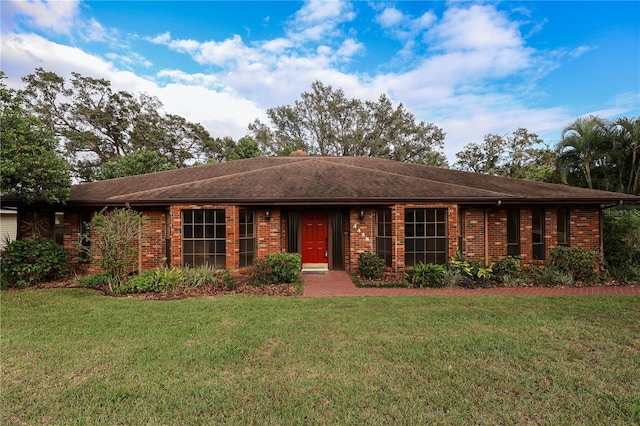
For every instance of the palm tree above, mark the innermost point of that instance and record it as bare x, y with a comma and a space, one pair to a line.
627, 142
584, 144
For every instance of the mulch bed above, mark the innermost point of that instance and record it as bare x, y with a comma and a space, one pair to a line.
184, 292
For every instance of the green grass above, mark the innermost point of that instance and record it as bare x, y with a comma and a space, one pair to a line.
76, 357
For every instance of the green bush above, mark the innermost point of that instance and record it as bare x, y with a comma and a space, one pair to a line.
371, 265
167, 278
200, 276
95, 280
551, 276
621, 232
471, 270
582, 265
286, 266
261, 273
429, 275
229, 281
276, 268
143, 283
29, 262
509, 267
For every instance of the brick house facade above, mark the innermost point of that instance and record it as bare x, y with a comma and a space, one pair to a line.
331, 209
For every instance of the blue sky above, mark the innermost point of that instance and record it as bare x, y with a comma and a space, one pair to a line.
471, 68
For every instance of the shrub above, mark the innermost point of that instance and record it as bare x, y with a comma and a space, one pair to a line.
200, 276
371, 265
451, 278
113, 237
286, 266
167, 278
229, 281
143, 283
276, 268
261, 273
621, 232
94, 280
429, 275
582, 265
471, 269
29, 262
509, 267
551, 276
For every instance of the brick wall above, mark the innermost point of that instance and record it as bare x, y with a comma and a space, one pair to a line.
470, 223
584, 226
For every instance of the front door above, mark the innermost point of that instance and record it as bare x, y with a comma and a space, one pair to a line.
315, 237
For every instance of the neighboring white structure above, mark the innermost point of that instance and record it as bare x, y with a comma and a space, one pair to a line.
8, 226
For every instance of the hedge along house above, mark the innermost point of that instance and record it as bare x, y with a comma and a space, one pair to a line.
331, 209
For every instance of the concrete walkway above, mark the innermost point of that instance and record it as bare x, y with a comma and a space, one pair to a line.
338, 283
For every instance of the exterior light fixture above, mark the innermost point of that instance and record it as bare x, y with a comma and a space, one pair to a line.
267, 214
361, 213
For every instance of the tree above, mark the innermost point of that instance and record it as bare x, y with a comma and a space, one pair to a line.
114, 237
136, 163
325, 122
627, 148
226, 149
30, 165
582, 148
98, 124
517, 155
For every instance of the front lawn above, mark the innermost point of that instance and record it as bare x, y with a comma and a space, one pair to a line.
73, 356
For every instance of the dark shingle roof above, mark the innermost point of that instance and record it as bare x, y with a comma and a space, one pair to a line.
327, 180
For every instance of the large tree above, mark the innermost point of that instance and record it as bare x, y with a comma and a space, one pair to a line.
98, 124
520, 154
325, 122
30, 165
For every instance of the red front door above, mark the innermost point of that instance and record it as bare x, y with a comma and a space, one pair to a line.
315, 237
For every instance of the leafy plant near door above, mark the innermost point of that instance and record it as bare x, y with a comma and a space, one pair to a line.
371, 265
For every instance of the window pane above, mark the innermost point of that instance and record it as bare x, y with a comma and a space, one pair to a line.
419, 215
187, 247
441, 215
187, 216
198, 231
220, 247
219, 216
198, 246
441, 229
208, 231
198, 216
187, 231
209, 216
408, 231
409, 216
220, 231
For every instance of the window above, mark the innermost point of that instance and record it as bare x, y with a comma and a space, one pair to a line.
383, 235
425, 232
203, 238
58, 228
247, 237
537, 229
563, 227
513, 232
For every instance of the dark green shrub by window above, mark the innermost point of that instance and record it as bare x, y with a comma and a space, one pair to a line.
29, 262
276, 268
425, 275
371, 265
582, 265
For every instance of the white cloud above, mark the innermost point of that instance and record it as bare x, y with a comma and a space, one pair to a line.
479, 27
57, 16
390, 17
